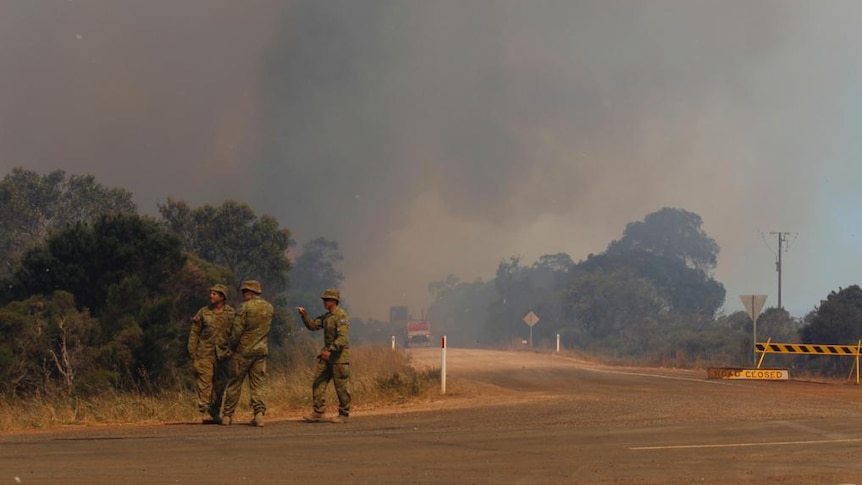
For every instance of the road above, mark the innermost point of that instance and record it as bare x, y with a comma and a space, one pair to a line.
514, 418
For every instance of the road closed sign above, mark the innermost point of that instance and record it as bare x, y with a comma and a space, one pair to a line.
735, 373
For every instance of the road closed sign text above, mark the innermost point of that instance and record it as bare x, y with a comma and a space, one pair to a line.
748, 374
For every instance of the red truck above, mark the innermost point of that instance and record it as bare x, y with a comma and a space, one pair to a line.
418, 334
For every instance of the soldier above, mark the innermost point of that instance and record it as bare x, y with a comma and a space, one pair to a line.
208, 345
333, 362
248, 339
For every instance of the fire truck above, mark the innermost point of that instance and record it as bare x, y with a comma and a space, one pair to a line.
418, 334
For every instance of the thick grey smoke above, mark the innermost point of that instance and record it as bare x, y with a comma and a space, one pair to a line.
437, 137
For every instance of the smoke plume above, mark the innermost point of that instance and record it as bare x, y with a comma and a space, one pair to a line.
431, 138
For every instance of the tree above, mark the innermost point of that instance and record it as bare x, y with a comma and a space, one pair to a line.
616, 303
560, 262
441, 288
45, 345
32, 205
190, 286
69, 332
315, 270
89, 259
233, 236
736, 321
671, 249
685, 290
21, 349
654, 280
673, 233
460, 310
121, 269
516, 296
837, 320
551, 270
522, 289
777, 324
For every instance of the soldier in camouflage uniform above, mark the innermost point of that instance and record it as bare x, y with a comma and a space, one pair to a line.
248, 340
333, 362
208, 346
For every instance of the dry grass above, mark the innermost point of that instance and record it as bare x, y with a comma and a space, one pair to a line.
379, 376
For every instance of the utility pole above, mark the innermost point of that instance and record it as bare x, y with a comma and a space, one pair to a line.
782, 246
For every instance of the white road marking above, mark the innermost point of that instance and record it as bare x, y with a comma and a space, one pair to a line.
742, 445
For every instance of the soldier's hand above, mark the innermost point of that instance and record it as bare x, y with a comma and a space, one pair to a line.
324, 354
301, 311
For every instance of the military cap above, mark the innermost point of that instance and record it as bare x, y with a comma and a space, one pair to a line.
331, 294
220, 288
251, 285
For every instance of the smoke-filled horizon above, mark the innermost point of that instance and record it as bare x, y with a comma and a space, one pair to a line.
436, 138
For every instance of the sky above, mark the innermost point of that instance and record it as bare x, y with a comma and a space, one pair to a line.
437, 138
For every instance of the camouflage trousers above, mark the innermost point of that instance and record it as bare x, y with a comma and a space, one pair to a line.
253, 369
211, 378
340, 375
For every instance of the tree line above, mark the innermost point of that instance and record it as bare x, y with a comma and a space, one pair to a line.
650, 297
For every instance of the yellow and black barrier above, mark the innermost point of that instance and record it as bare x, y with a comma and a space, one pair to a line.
769, 347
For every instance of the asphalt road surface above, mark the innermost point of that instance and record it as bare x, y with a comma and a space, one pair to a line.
511, 417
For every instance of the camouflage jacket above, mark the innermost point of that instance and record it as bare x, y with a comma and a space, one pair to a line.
336, 333
209, 333
248, 336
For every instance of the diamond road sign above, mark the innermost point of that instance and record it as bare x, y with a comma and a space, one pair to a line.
531, 319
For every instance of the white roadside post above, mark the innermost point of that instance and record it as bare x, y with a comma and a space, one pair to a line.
393, 342
443, 365
558, 343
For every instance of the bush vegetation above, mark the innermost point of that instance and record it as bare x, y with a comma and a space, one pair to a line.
380, 376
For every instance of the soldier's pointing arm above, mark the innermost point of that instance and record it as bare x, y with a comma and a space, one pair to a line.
312, 325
